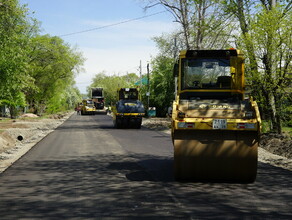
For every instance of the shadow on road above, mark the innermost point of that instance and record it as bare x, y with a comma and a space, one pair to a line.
77, 127
127, 187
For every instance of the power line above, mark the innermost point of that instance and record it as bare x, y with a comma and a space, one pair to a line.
110, 25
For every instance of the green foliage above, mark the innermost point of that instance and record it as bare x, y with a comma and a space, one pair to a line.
36, 69
271, 36
15, 34
162, 84
73, 96
287, 111
63, 101
53, 66
266, 39
111, 83
288, 130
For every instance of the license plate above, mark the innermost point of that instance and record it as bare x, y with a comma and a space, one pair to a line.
219, 124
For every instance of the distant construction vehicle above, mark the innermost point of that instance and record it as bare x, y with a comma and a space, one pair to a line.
129, 110
98, 100
87, 107
215, 124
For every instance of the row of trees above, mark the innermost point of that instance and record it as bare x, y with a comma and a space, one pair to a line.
111, 83
36, 71
261, 28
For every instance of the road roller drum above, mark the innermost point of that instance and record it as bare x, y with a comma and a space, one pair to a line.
215, 155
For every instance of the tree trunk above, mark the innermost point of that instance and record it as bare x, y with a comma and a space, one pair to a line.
13, 112
185, 22
278, 105
272, 111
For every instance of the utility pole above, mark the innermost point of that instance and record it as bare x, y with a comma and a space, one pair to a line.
148, 86
140, 74
174, 57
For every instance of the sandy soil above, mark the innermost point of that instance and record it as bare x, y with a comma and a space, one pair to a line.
18, 136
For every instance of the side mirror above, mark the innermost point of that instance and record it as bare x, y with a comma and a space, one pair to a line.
175, 70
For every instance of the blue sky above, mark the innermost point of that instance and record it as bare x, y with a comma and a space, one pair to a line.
116, 49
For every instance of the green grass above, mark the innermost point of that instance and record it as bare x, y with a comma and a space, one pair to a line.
265, 126
287, 130
5, 120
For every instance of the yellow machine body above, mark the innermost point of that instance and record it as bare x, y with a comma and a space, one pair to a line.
215, 125
88, 107
129, 110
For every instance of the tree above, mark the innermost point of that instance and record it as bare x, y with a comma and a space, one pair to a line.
36, 69
162, 84
17, 28
203, 24
274, 46
111, 83
266, 38
202, 27
53, 66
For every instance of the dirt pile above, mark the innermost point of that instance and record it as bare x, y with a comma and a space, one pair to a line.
280, 144
159, 124
29, 115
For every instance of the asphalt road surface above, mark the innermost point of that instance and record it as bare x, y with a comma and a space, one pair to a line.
86, 169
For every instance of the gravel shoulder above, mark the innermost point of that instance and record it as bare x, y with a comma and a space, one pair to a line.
17, 137
274, 149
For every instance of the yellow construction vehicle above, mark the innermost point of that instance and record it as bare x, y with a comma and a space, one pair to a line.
129, 110
87, 107
215, 124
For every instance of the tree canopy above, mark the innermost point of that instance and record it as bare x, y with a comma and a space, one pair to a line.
261, 28
53, 66
110, 84
35, 71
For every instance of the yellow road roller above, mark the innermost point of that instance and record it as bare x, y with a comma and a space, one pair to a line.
129, 110
88, 107
215, 123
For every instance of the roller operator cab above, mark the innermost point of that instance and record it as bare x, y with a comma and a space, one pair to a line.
215, 124
129, 110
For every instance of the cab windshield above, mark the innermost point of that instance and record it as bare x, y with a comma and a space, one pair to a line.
131, 94
206, 73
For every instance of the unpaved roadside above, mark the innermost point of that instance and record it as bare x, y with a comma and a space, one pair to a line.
17, 137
